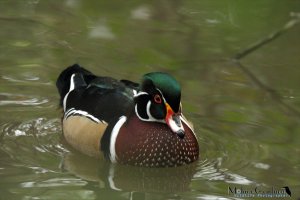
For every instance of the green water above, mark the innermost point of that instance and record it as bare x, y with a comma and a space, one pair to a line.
248, 135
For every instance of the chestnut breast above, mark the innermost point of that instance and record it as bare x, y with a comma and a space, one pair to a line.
153, 144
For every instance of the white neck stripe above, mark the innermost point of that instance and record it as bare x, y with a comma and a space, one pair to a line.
114, 134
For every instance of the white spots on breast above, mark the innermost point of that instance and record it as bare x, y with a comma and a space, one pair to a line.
162, 150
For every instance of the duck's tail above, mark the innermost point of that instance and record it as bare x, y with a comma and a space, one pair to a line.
67, 82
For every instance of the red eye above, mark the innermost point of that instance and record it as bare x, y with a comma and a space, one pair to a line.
157, 98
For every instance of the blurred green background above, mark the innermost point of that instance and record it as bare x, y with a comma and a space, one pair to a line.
248, 135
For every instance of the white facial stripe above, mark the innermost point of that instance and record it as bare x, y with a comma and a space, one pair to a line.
151, 118
114, 134
72, 86
139, 94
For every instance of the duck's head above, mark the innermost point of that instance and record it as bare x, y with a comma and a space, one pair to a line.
158, 100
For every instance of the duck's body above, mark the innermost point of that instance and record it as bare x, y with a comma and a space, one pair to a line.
126, 122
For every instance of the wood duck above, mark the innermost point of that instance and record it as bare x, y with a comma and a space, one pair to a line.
126, 122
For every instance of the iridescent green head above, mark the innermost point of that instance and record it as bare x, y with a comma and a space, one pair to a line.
159, 100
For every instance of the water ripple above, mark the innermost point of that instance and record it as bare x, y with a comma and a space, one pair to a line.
55, 182
30, 137
224, 158
19, 99
26, 79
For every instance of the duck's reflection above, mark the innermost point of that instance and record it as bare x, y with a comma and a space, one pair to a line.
128, 178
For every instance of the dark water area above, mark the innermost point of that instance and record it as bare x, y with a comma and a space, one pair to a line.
247, 118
